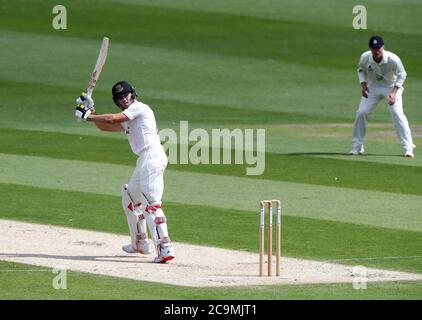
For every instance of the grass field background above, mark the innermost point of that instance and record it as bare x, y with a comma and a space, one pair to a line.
289, 68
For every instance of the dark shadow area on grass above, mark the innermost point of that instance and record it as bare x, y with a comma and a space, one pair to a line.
122, 259
340, 154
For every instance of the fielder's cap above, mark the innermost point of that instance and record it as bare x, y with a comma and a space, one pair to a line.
376, 42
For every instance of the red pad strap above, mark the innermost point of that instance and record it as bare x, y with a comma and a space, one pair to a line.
159, 220
130, 207
152, 208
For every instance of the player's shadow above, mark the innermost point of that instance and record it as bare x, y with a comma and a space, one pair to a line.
316, 154
122, 259
340, 154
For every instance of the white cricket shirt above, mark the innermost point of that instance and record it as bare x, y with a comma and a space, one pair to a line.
389, 72
141, 129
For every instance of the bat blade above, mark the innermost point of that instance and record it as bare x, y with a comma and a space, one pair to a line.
98, 66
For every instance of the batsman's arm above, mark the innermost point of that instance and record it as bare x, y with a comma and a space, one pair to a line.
109, 121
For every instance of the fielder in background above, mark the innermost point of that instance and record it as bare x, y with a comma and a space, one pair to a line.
381, 75
141, 197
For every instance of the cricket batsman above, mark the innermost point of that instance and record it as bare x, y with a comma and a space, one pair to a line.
141, 197
381, 75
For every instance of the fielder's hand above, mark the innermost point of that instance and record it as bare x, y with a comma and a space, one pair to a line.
392, 98
82, 112
365, 89
85, 100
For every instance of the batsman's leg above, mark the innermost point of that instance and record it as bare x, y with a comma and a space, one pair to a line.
157, 224
137, 224
152, 187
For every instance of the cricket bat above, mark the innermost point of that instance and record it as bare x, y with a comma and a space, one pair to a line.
98, 66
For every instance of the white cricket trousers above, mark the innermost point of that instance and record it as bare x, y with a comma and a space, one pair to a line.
367, 105
147, 182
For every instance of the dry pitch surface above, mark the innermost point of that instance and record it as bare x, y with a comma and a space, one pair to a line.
195, 266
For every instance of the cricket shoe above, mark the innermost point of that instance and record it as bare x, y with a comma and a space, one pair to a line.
409, 154
166, 254
356, 151
144, 247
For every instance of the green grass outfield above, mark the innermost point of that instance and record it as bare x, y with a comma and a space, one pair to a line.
289, 68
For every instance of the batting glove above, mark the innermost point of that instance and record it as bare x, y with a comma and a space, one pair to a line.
82, 112
85, 100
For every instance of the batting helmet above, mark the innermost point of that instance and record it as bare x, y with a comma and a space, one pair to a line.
122, 88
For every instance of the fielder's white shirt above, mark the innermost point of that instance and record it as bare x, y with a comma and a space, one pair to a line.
141, 129
389, 72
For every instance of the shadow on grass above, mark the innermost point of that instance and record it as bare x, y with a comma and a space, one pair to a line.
111, 258
340, 154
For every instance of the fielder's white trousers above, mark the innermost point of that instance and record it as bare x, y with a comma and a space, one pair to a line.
147, 182
367, 105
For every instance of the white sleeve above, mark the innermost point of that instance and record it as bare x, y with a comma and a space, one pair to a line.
133, 112
124, 125
401, 73
361, 70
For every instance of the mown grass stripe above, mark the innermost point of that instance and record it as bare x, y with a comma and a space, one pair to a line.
401, 20
197, 78
166, 110
218, 33
169, 73
295, 167
329, 203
